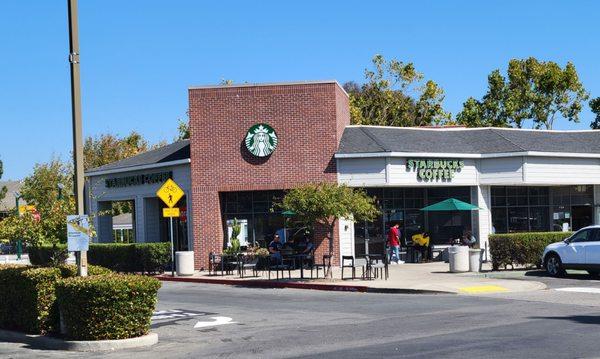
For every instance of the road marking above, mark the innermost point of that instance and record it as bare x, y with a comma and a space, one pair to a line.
173, 314
580, 289
482, 289
217, 321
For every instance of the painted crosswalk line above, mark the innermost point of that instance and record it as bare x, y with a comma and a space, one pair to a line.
579, 290
215, 321
476, 289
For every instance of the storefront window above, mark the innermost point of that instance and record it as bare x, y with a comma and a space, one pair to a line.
518, 209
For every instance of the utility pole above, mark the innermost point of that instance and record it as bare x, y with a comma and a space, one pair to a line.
77, 123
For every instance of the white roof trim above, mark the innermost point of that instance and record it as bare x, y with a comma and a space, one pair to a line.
138, 167
290, 83
467, 155
462, 128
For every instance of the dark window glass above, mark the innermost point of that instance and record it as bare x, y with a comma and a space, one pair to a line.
518, 219
582, 195
499, 220
539, 219
581, 236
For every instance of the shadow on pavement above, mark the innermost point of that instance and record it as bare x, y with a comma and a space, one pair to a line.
582, 319
542, 274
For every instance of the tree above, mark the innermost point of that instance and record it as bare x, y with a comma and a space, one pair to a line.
395, 95
49, 188
533, 90
184, 130
595, 106
325, 203
3, 189
108, 148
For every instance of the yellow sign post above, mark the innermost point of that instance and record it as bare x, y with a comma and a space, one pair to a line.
170, 212
170, 193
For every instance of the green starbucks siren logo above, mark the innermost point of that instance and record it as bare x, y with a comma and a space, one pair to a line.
261, 140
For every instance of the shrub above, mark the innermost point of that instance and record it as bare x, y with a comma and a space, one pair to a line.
48, 255
28, 299
70, 270
107, 307
521, 249
132, 258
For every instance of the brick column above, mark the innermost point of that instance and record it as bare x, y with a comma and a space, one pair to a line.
208, 232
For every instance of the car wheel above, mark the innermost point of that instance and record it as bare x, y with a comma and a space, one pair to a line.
593, 273
554, 266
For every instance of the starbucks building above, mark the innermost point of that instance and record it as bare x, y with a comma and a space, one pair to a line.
250, 143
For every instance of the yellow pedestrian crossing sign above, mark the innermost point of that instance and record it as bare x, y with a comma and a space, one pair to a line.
170, 193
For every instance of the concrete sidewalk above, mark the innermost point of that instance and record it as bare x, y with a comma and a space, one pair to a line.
404, 278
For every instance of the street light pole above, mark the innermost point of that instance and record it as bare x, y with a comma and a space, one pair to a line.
77, 123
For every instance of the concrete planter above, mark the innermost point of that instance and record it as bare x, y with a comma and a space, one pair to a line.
474, 260
185, 263
458, 258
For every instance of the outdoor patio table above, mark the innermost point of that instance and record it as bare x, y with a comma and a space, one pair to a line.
301, 258
225, 258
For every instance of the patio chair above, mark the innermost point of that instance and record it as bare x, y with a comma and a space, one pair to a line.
325, 264
379, 265
279, 266
246, 262
353, 263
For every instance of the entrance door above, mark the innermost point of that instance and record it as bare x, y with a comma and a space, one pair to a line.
574, 252
592, 249
582, 216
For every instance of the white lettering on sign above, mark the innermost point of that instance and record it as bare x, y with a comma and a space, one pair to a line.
217, 321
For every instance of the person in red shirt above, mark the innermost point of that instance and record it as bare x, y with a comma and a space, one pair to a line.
394, 243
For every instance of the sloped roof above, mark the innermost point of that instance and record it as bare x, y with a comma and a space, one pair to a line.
488, 140
8, 202
179, 150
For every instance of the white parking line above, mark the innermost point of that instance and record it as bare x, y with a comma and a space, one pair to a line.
580, 290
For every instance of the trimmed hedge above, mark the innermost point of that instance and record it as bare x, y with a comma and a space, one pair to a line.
119, 257
521, 249
48, 255
107, 307
131, 258
28, 296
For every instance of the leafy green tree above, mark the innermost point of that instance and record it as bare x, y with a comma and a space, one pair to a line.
395, 94
532, 90
184, 130
3, 189
323, 204
25, 227
595, 106
108, 148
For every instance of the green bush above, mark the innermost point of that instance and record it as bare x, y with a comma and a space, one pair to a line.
70, 270
48, 255
521, 249
131, 258
119, 257
107, 307
28, 299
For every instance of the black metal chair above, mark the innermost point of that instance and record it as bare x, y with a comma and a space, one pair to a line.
378, 264
325, 264
247, 262
278, 265
353, 263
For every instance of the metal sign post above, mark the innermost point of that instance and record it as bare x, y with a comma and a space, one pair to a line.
77, 123
170, 193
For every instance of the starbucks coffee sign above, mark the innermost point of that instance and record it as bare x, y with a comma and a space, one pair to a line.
261, 140
434, 169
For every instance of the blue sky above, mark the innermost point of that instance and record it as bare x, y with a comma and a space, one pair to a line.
139, 57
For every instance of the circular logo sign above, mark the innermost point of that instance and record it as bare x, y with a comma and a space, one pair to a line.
261, 140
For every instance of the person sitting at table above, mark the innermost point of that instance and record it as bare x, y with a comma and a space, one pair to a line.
275, 249
421, 243
468, 239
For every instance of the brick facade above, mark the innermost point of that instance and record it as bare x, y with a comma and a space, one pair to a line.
308, 118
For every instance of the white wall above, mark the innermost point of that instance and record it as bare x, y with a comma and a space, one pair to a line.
346, 228
557, 170
501, 171
362, 172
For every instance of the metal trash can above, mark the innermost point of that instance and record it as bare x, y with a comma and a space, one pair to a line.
458, 258
184, 263
475, 260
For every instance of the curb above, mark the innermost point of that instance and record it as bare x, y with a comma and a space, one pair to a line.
52, 343
297, 285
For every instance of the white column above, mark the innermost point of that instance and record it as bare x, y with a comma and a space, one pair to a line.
346, 228
482, 219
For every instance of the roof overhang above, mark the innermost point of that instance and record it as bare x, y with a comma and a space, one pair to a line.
138, 168
467, 155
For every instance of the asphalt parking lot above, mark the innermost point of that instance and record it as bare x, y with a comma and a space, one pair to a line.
217, 321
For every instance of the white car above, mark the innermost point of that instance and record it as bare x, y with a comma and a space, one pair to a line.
580, 251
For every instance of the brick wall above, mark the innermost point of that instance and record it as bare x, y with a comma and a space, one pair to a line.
308, 118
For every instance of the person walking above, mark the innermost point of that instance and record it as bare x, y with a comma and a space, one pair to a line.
394, 244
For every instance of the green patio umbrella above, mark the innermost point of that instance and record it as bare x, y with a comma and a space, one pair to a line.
450, 204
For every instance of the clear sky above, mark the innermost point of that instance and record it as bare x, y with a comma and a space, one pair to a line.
140, 56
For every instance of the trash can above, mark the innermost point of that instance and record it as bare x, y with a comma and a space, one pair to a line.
184, 263
474, 260
458, 258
